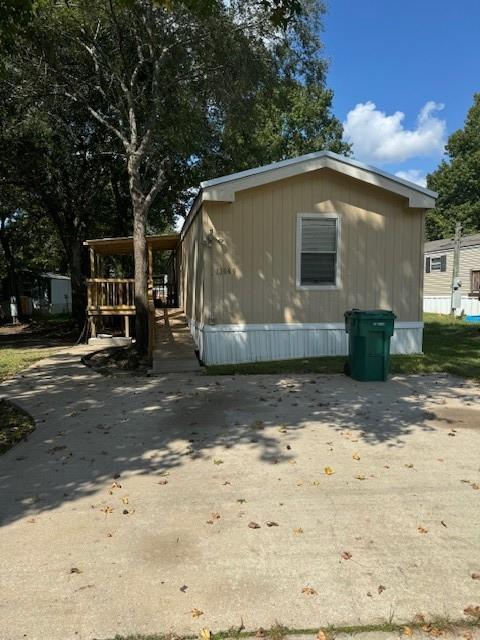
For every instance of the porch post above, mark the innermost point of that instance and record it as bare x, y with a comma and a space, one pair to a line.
127, 326
92, 262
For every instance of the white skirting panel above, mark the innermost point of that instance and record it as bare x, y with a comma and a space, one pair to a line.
441, 304
229, 344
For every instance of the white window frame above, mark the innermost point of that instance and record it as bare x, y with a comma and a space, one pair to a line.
318, 287
439, 270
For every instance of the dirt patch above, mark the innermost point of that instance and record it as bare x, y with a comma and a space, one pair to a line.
117, 361
15, 425
39, 333
457, 417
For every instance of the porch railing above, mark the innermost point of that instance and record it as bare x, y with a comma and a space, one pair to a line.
116, 295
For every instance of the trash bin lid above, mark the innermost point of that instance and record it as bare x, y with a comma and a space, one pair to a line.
370, 313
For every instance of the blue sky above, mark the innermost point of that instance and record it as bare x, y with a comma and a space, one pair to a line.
410, 57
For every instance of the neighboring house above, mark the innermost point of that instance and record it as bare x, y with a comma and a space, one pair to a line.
439, 274
269, 260
45, 292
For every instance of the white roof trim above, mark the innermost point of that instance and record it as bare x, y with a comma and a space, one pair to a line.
224, 188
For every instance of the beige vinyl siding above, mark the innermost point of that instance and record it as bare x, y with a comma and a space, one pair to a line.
192, 270
469, 261
439, 283
254, 267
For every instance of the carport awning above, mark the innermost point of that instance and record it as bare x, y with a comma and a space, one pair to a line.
124, 246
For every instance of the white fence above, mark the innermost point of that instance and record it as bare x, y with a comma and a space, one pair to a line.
442, 304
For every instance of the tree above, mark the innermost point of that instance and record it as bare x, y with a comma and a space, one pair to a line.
180, 88
290, 113
457, 181
151, 74
15, 16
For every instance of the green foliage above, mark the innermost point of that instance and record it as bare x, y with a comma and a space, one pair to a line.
458, 181
105, 102
15, 15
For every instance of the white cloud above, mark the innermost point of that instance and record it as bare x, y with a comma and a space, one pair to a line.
413, 175
380, 138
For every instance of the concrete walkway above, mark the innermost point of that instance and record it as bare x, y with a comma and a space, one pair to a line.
179, 502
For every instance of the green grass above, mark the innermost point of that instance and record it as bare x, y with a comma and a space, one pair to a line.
450, 345
15, 425
14, 359
435, 627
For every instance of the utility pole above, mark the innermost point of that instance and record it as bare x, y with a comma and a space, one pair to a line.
456, 283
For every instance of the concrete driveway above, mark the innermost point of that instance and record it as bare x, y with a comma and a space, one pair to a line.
143, 505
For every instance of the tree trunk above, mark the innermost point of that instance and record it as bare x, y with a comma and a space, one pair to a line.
79, 299
140, 258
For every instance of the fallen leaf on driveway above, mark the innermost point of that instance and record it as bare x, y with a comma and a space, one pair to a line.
125, 499
432, 631
298, 530
328, 471
381, 589
473, 611
356, 456
476, 486
204, 634
407, 631
476, 576
271, 523
183, 588
422, 530
321, 635
217, 461
309, 591
346, 555
254, 525
360, 477
75, 570
260, 633
443, 523
162, 482
107, 509
196, 613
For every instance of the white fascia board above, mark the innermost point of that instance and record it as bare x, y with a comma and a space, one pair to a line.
224, 188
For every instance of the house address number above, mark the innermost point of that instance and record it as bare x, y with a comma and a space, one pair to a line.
225, 271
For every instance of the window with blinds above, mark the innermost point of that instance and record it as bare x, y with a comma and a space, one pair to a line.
317, 246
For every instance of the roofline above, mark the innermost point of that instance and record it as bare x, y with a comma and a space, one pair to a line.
314, 156
449, 248
94, 241
192, 212
349, 162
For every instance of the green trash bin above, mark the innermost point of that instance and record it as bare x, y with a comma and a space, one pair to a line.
369, 334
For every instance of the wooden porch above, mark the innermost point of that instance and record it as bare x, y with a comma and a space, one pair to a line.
170, 342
